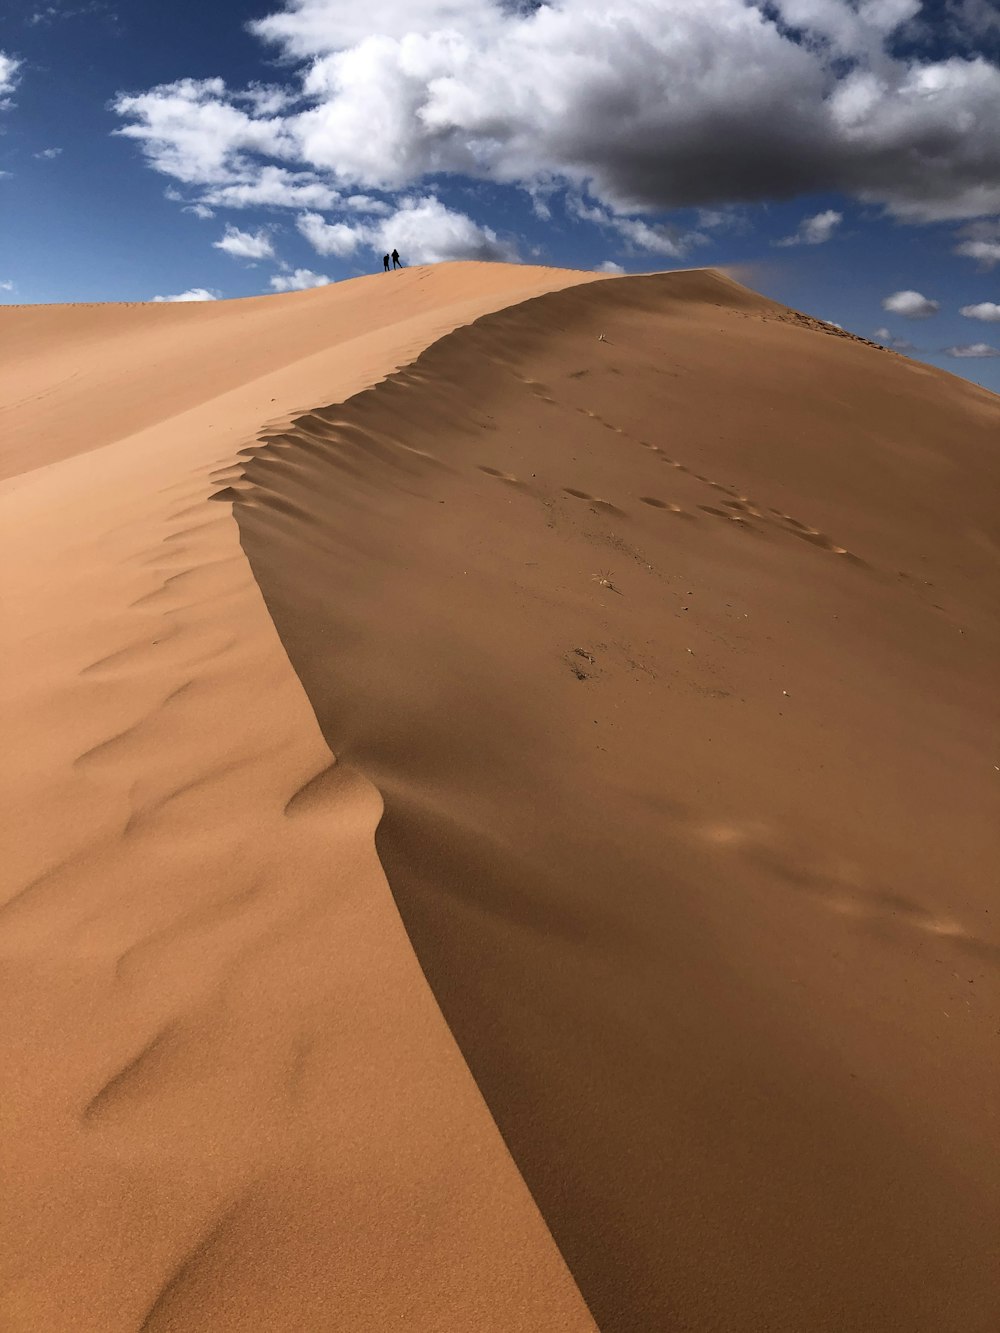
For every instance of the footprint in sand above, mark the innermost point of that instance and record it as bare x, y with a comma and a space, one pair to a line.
722, 513
815, 537
655, 503
508, 477
595, 502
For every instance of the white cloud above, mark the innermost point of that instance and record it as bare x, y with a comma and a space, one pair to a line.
7, 286
653, 240
987, 252
648, 104
49, 153
987, 311
887, 339
53, 13
424, 230
973, 349
273, 187
329, 238
299, 280
199, 210
911, 305
245, 244
815, 230
197, 131
9, 77
640, 237
192, 294
609, 266
980, 241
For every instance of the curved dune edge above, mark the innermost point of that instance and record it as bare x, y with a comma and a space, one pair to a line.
664, 622
230, 1098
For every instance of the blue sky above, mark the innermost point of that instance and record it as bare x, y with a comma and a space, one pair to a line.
843, 155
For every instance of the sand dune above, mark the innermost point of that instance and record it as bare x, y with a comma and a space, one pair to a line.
673, 654
230, 1100
650, 632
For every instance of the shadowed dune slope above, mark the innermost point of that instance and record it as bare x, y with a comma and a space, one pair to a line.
664, 623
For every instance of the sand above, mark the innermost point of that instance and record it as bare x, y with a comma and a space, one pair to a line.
230, 1100
650, 630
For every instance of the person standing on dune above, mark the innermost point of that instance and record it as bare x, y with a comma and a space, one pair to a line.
385, 263
396, 263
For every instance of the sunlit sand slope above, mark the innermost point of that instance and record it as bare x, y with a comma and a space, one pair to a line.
230, 1101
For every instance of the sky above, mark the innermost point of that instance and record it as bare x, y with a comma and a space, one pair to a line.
841, 156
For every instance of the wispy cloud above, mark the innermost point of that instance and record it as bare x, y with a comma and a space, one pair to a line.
815, 230
48, 153
888, 339
980, 240
973, 350
47, 14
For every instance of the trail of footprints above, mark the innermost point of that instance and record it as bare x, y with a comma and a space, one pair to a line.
738, 509
324, 431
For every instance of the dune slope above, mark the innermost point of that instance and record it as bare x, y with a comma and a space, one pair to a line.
663, 621
230, 1100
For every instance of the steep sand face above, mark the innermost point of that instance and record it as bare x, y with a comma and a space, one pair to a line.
230, 1101
664, 623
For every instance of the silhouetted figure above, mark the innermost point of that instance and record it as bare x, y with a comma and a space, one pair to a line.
385, 263
395, 259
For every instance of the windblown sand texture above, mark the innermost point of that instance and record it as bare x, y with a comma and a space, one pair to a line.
650, 629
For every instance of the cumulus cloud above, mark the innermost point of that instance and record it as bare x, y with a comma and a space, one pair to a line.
815, 230
10, 68
7, 286
645, 104
987, 311
192, 294
245, 244
49, 153
911, 305
424, 230
329, 238
973, 350
609, 266
298, 280
199, 210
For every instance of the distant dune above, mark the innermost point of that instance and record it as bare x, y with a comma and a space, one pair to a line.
502, 815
